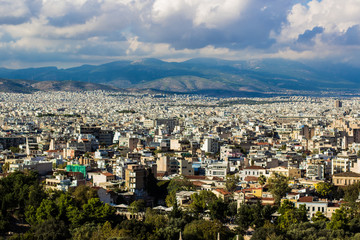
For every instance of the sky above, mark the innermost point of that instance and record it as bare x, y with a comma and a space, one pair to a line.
68, 33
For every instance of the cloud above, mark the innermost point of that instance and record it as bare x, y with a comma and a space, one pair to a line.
102, 30
334, 17
309, 35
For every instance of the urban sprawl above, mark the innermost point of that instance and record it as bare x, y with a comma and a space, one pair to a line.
158, 153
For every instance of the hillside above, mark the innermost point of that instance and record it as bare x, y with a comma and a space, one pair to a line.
194, 76
27, 86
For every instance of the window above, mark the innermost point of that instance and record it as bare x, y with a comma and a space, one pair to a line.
313, 209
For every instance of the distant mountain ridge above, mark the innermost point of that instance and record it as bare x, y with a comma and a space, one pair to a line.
30, 86
198, 75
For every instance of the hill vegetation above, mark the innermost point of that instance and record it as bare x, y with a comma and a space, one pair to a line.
195, 76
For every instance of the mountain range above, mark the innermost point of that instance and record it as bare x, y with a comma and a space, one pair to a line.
201, 75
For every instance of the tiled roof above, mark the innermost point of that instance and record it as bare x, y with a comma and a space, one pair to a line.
347, 174
222, 191
306, 199
251, 179
253, 167
108, 174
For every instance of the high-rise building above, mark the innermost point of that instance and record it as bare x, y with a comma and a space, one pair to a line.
338, 104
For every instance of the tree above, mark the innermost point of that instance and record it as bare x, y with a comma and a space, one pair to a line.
105, 232
134, 229
98, 212
14, 149
278, 186
46, 210
84, 232
231, 182
244, 218
351, 195
5, 167
201, 201
202, 230
291, 215
137, 206
177, 184
83, 194
324, 189
339, 219
155, 221
262, 180
218, 210
51, 229
319, 216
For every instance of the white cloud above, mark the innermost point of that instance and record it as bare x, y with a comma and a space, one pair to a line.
13, 8
334, 16
169, 29
209, 13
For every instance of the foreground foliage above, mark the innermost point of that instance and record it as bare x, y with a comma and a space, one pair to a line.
33, 213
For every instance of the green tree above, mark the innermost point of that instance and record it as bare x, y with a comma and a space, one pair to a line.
231, 183
133, 229
17, 190
51, 229
339, 219
244, 218
266, 232
137, 206
98, 212
75, 216
201, 201
324, 189
278, 186
218, 210
84, 232
63, 203
5, 167
14, 149
105, 231
307, 230
351, 196
319, 216
291, 215
177, 184
155, 221
204, 230
46, 210
82, 194
262, 180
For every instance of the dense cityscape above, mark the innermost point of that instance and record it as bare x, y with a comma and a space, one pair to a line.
110, 165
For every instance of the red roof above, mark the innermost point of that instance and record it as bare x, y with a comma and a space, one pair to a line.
254, 167
222, 191
196, 177
306, 199
251, 179
52, 151
108, 174
198, 183
262, 143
